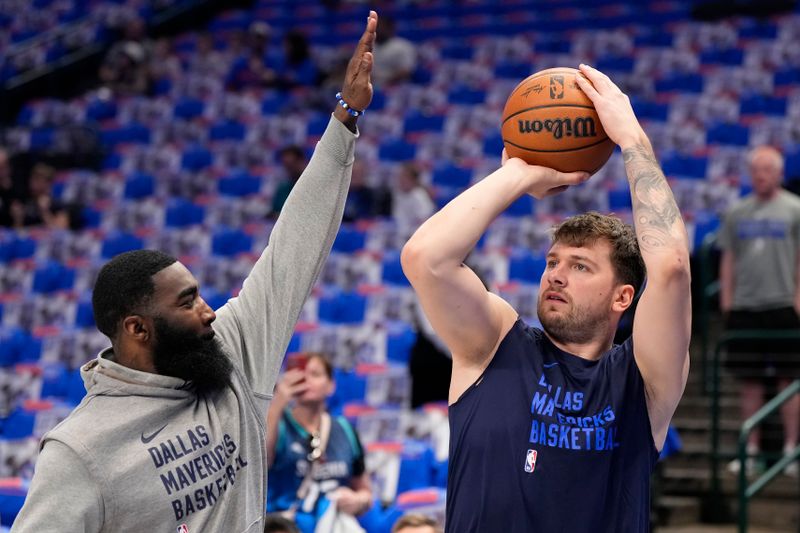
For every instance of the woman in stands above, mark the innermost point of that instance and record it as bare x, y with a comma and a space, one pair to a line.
313, 458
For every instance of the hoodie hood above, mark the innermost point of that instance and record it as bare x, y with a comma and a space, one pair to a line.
103, 377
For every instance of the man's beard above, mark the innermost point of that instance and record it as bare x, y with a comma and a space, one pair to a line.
579, 325
185, 355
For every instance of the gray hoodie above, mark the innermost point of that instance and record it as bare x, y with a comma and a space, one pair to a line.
144, 453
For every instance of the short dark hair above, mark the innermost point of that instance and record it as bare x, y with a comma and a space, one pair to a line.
588, 228
275, 523
415, 520
124, 285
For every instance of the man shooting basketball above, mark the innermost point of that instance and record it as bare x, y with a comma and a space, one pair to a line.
558, 430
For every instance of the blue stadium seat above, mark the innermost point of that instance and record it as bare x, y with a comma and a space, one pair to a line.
317, 124
227, 130
98, 110
646, 109
91, 217
188, 108
84, 317
196, 158
417, 466
392, 271
349, 239
130, 133
342, 307
181, 213
734, 134
18, 247
19, 424
493, 145
514, 71
230, 242
687, 83
451, 176
419, 123
400, 338
239, 184
139, 185
729, 57
615, 64
763, 105
52, 277
787, 76
55, 381
120, 242
397, 151
12, 346
526, 267
791, 165
676, 165
42, 138
521, 207
619, 200
466, 96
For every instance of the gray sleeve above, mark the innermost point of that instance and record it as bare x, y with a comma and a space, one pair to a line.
63, 497
257, 325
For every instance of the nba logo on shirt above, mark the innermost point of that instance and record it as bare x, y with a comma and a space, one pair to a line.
183, 528
530, 460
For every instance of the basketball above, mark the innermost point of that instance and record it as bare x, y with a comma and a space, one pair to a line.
549, 121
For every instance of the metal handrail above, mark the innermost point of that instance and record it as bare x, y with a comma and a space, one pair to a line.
746, 492
710, 287
724, 340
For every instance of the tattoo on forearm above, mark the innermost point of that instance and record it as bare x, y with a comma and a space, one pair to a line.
654, 209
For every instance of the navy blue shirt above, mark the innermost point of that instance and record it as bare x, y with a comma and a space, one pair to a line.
546, 441
343, 460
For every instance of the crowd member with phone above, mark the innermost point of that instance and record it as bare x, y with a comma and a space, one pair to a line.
312, 456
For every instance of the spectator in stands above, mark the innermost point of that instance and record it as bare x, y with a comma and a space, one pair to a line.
310, 453
395, 57
183, 389
275, 523
759, 269
207, 59
163, 64
293, 161
416, 523
255, 65
124, 68
39, 208
411, 202
296, 67
364, 201
8, 194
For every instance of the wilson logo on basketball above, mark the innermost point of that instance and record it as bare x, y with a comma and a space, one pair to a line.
578, 127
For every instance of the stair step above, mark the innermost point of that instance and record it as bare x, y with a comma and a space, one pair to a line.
683, 481
704, 424
678, 510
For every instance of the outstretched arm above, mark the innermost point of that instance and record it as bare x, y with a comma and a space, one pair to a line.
258, 324
662, 326
469, 319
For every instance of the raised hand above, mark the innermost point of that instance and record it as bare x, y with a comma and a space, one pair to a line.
357, 86
612, 105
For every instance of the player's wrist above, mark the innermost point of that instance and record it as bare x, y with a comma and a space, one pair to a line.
345, 118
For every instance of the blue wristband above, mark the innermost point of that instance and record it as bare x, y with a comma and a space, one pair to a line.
346, 107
